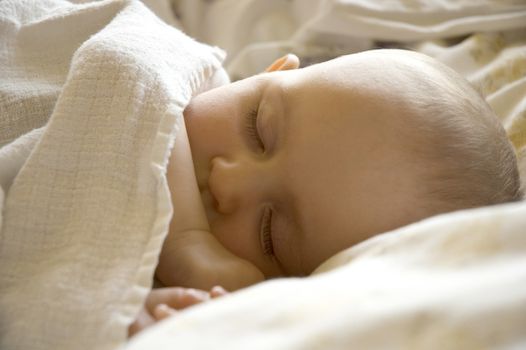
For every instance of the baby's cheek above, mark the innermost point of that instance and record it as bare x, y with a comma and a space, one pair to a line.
239, 236
233, 232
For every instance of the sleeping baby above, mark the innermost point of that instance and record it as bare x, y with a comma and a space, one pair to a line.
274, 174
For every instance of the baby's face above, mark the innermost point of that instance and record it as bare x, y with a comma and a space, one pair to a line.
294, 166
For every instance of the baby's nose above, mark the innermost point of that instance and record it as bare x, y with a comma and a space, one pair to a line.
235, 183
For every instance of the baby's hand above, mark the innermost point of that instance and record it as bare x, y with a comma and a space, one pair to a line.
164, 302
196, 259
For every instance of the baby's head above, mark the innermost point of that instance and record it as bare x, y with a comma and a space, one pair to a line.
296, 165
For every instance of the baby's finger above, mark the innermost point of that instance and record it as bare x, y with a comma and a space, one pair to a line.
143, 320
176, 297
217, 291
162, 311
188, 297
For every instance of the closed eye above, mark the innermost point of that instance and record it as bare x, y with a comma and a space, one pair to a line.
265, 233
251, 126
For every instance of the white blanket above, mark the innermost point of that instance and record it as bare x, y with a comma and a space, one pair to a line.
255, 32
84, 219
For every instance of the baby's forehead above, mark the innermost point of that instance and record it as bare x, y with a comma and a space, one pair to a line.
390, 69
383, 86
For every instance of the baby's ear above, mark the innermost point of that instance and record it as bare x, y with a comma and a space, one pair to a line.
289, 61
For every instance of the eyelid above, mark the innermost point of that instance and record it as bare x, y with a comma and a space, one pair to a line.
265, 232
271, 115
252, 129
277, 237
264, 128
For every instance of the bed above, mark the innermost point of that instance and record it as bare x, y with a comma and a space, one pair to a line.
454, 281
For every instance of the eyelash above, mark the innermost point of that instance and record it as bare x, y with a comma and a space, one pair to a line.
251, 125
266, 232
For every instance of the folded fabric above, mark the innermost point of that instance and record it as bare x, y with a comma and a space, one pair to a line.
85, 217
14, 155
257, 32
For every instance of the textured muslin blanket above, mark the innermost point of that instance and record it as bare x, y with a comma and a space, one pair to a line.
84, 219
